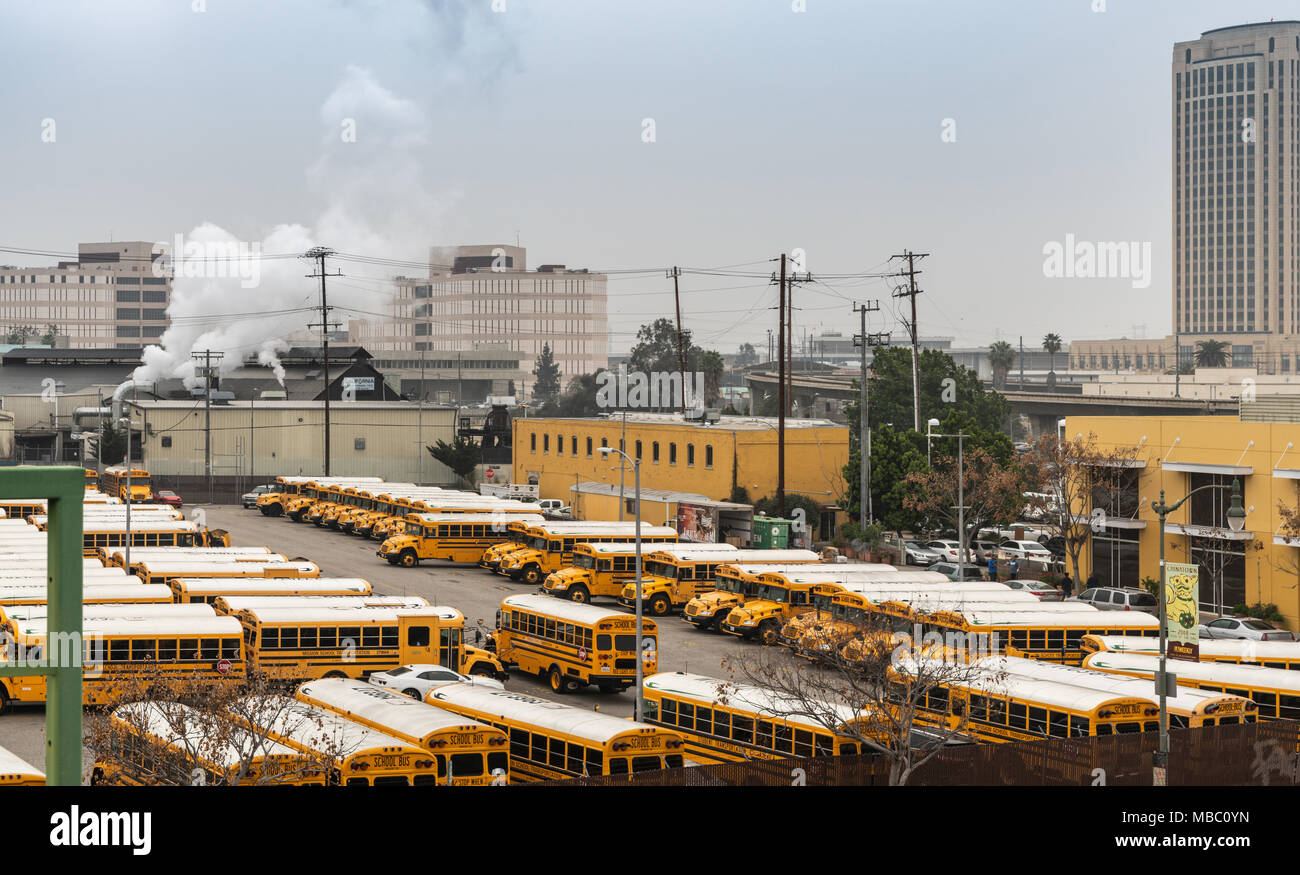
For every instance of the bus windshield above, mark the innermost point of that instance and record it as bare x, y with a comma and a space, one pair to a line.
771, 592
662, 569
583, 560
729, 584
538, 543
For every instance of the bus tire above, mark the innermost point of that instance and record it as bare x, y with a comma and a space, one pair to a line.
408, 558
5, 704
579, 594
718, 619
335, 674
532, 575
413, 693
556, 680
768, 633
482, 669
660, 606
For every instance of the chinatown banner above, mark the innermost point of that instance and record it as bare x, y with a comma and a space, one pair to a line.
1182, 595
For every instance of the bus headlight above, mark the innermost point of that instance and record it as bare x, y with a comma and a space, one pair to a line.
747, 623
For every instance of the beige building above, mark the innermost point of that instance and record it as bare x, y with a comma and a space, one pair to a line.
1205, 384
1266, 354
484, 297
108, 298
367, 439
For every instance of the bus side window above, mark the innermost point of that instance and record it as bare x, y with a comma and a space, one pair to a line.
848, 748
417, 636
618, 765
604, 642
519, 743
557, 753
823, 746
595, 761
539, 748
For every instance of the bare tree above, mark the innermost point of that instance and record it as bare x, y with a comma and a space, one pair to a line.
220, 734
874, 690
1080, 476
990, 491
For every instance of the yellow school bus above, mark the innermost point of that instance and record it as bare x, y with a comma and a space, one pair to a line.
92, 479
303, 643
572, 645
1270, 654
113, 482
677, 574
144, 533
93, 592
166, 570
514, 538
550, 546
356, 501
601, 570
207, 590
1056, 636
273, 503
358, 755
733, 586
468, 753
453, 537
321, 491
444, 503
116, 651
112, 557
1275, 691
551, 742
389, 504
17, 772
775, 601
155, 743
745, 723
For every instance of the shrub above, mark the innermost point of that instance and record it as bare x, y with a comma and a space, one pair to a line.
1151, 585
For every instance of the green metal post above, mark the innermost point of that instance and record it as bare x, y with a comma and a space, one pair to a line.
65, 489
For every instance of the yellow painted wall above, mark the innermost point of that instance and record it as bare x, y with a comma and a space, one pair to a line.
1271, 572
814, 458
588, 506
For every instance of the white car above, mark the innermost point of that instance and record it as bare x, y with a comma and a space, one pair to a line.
949, 549
1237, 627
416, 680
1024, 550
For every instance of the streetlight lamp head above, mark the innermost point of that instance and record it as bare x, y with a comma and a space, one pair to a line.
605, 451
932, 422
1236, 512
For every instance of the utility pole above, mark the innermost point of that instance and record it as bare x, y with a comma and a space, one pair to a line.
207, 355
769, 346
780, 399
681, 351
864, 440
911, 291
1022, 363
1178, 360
320, 253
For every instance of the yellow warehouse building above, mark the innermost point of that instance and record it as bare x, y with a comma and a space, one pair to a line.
1259, 565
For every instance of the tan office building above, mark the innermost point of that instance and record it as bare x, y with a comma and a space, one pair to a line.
108, 298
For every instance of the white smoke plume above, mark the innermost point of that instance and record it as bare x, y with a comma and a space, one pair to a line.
378, 201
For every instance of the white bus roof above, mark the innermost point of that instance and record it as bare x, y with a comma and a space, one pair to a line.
604, 527
761, 700
167, 626
1227, 673
174, 721
211, 553
1187, 698
826, 574
400, 715
784, 568
131, 589
677, 551
138, 526
1043, 692
345, 614
236, 603
1087, 619
480, 518
507, 705
562, 609
259, 585
34, 570
12, 764
113, 609
320, 730
905, 587
250, 569
1252, 651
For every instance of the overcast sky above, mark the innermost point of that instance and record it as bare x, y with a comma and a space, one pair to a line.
773, 130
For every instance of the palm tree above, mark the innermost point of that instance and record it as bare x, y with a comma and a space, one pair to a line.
1052, 345
1001, 358
1212, 353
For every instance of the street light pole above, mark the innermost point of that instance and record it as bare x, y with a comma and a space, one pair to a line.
639, 703
1236, 522
961, 490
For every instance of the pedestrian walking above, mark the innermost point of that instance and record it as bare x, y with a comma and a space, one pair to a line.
1067, 587
993, 568
1015, 568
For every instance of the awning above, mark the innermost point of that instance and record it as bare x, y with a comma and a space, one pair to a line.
1111, 463
1220, 532
1287, 540
1198, 468
1287, 473
1111, 522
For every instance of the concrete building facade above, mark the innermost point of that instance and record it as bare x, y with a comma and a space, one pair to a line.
108, 298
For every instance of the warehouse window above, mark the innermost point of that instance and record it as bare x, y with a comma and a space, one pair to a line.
573, 445
690, 455
708, 456
672, 454
546, 443
588, 448
167, 440
559, 445
638, 451
654, 452
532, 443
359, 443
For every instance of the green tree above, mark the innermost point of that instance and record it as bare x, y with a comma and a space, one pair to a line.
895, 453
111, 447
747, 355
51, 332
1001, 358
18, 334
1212, 353
577, 399
462, 456
546, 372
710, 363
656, 347
1052, 345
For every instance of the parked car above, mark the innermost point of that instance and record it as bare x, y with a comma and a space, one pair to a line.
250, 498
1056, 544
949, 550
1031, 533
949, 569
1045, 592
166, 496
916, 553
984, 549
1119, 598
416, 680
1243, 627
1024, 550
